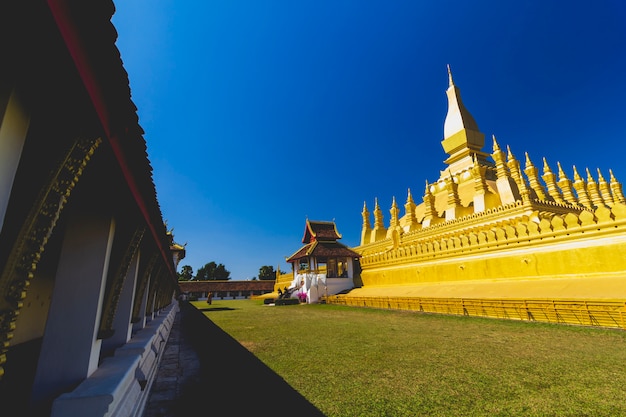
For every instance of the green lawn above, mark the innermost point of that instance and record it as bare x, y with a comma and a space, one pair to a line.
363, 362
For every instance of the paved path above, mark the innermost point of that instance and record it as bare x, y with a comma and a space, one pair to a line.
179, 369
204, 370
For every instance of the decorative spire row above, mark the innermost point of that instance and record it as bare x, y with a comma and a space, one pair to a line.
511, 180
473, 184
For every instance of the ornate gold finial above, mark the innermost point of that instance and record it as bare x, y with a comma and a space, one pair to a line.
453, 196
616, 188
548, 178
533, 179
581, 190
566, 186
509, 154
409, 209
528, 162
561, 172
514, 167
427, 189
378, 215
429, 207
496, 147
607, 196
394, 212
577, 176
366, 230
594, 190
450, 82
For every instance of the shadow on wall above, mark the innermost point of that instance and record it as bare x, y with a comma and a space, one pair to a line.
232, 377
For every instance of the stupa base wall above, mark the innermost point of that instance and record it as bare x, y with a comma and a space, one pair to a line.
596, 266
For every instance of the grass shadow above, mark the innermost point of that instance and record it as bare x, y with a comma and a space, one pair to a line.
216, 309
233, 378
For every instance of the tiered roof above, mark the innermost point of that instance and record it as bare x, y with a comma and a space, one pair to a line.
320, 239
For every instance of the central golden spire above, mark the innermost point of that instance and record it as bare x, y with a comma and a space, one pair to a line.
461, 136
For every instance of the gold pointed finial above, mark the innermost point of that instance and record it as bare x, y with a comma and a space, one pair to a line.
509, 154
561, 172
546, 167
450, 82
496, 147
577, 176
529, 163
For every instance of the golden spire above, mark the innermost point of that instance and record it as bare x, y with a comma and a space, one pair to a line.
378, 215
548, 178
593, 190
533, 179
453, 201
366, 216
616, 189
581, 190
409, 208
461, 136
507, 186
453, 195
566, 186
605, 190
523, 188
366, 230
514, 167
429, 206
379, 231
394, 213
498, 156
478, 174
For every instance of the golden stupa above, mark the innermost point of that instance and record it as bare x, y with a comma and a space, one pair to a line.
495, 228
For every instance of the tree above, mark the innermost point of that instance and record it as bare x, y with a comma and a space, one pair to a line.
221, 273
212, 271
186, 273
267, 273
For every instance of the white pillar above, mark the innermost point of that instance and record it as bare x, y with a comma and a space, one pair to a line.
123, 314
14, 122
70, 349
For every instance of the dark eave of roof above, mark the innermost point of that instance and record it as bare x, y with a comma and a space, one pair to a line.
90, 39
320, 230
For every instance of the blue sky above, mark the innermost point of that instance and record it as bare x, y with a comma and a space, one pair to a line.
261, 114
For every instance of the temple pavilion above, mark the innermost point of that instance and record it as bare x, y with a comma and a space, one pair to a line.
323, 266
495, 226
